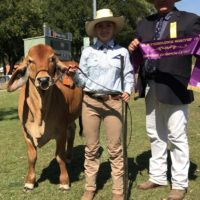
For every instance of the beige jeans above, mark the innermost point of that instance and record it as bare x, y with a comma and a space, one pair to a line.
93, 112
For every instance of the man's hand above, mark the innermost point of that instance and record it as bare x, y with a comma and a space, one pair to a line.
133, 45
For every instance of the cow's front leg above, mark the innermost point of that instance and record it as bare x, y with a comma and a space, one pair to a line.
60, 157
32, 157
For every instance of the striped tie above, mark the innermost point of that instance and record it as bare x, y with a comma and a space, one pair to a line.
150, 66
158, 29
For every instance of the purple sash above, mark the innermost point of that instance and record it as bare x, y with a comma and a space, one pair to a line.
172, 47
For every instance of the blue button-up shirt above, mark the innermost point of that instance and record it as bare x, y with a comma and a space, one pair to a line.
101, 68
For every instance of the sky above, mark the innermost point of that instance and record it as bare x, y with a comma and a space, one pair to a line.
189, 5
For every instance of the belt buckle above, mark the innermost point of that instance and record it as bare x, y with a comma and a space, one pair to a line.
109, 97
116, 97
101, 97
105, 97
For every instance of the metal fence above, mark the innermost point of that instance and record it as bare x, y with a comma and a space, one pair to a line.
3, 81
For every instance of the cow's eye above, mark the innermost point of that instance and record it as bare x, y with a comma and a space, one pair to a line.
52, 59
30, 61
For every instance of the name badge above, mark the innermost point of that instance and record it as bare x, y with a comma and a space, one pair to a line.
173, 30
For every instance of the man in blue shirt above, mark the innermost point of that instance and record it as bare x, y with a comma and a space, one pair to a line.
100, 69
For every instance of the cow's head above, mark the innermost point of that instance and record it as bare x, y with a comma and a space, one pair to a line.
40, 66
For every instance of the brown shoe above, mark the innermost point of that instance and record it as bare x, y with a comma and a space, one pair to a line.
176, 194
88, 195
117, 196
148, 185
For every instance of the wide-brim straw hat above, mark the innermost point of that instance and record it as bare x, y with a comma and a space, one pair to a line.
102, 16
152, 1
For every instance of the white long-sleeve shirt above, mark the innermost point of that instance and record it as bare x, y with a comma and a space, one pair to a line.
102, 69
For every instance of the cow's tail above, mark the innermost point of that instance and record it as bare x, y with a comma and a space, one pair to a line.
80, 126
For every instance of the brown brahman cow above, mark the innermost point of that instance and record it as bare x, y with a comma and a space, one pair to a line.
47, 108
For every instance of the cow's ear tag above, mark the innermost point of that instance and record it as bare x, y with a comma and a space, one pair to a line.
67, 80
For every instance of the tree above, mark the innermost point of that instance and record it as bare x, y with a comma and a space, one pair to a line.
69, 16
132, 10
22, 19
19, 19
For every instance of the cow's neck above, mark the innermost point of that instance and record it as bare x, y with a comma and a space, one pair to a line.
38, 103
39, 98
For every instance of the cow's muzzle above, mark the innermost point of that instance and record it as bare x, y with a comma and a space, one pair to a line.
43, 82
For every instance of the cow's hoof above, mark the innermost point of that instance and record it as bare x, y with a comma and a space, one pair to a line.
27, 190
28, 187
64, 188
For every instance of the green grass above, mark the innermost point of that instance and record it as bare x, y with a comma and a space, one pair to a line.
13, 160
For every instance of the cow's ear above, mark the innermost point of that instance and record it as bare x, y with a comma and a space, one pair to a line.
19, 78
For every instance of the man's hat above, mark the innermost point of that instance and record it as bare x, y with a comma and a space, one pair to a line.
152, 1
102, 16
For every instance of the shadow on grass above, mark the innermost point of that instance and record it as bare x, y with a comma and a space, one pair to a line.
142, 163
135, 167
8, 114
192, 170
52, 172
191, 173
104, 174
77, 165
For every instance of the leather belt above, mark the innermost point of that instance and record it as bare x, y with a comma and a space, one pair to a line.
104, 97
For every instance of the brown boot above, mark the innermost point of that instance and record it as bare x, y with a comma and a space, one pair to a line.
176, 194
148, 185
117, 196
88, 195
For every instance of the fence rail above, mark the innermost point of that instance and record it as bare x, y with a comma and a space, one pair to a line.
3, 81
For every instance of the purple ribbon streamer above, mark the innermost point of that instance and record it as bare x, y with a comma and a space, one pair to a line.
172, 47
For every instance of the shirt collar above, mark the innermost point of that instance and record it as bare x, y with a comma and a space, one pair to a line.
110, 44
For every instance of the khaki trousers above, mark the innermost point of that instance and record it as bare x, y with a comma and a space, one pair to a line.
93, 112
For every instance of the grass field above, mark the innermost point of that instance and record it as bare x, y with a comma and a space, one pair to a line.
13, 161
